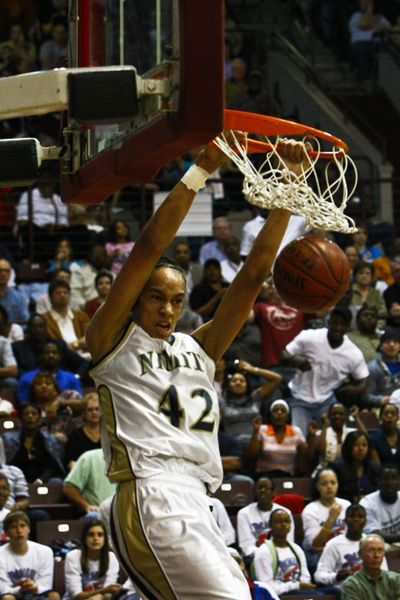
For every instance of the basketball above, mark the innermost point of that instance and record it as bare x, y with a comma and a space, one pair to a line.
311, 274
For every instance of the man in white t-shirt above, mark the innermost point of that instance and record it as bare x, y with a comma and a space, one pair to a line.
26, 568
340, 557
325, 360
383, 507
296, 228
253, 520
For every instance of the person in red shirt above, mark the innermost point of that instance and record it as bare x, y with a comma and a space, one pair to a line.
278, 324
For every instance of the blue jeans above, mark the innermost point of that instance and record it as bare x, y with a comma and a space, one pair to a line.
303, 412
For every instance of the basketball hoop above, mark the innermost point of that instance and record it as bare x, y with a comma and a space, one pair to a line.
322, 200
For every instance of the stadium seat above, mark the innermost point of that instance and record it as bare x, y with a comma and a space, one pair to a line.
50, 532
293, 485
9, 424
50, 497
369, 420
235, 493
294, 502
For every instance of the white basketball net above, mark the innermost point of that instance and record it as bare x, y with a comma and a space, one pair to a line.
273, 185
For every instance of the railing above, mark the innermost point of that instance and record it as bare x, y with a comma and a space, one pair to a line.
137, 206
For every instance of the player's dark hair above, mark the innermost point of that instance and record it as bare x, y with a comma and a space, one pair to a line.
104, 552
164, 262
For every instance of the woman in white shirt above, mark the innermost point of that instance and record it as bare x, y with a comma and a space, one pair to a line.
323, 518
92, 571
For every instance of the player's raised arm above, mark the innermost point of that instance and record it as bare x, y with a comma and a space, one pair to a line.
235, 307
110, 321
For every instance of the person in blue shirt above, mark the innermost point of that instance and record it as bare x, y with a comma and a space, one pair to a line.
13, 300
49, 362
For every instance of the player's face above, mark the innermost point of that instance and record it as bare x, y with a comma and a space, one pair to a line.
327, 485
160, 304
95, 538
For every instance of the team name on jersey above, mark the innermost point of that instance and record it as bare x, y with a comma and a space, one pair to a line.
162, 360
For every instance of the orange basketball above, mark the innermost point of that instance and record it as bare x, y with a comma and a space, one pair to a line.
311, 274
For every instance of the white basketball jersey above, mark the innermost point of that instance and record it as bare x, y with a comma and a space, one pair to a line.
159, 408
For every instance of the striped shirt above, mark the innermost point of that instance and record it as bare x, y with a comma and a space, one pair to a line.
278, 456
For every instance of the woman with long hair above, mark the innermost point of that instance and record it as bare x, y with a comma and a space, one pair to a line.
92, 571
239, 404
356, 472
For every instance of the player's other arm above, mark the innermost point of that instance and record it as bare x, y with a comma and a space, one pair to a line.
110, 321
241, 294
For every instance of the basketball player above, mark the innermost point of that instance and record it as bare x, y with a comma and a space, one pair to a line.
160, 410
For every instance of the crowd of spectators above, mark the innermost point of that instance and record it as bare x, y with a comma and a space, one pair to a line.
294, 388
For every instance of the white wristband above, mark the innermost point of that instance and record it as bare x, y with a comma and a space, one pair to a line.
195, 178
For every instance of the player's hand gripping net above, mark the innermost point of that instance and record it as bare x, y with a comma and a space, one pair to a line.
321, 199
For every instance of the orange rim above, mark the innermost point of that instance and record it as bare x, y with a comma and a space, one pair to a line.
266, 125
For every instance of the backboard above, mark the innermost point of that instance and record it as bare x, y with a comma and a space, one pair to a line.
178, 41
